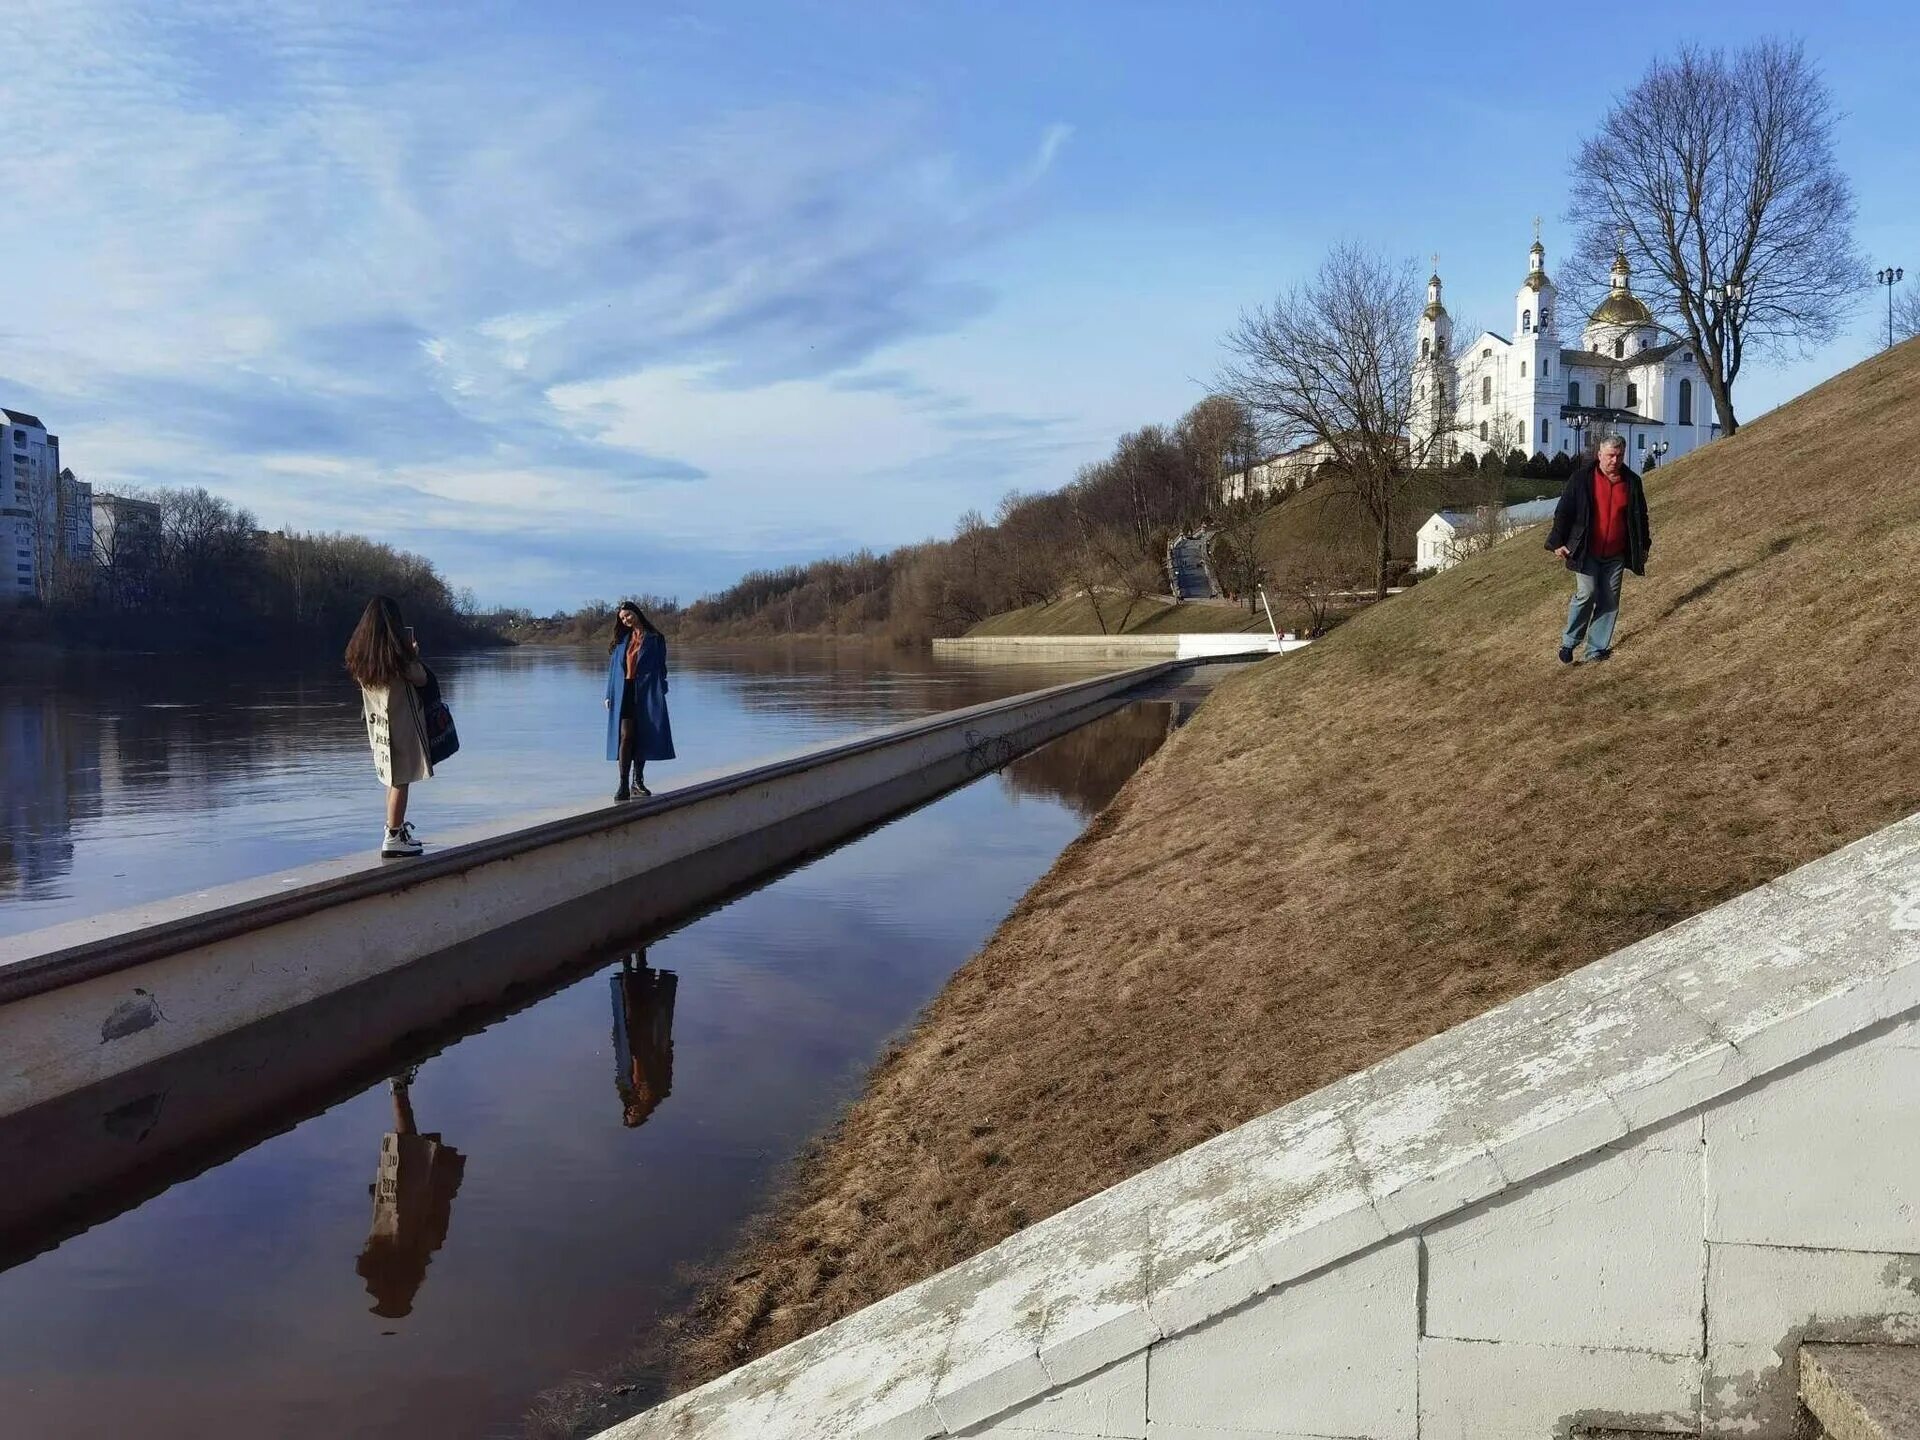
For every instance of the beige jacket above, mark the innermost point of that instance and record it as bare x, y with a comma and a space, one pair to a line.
397, 730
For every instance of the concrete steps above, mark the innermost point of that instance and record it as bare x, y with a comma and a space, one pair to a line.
1851, 1392
1862, 1392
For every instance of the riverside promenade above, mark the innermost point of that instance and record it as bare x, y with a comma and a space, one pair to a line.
85, 1002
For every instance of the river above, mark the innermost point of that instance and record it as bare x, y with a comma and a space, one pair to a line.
426, 1251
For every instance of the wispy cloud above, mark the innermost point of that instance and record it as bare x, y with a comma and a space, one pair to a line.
265, 249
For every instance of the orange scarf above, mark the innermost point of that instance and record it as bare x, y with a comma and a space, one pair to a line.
633, 653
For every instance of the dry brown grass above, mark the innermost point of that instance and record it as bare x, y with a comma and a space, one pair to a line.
1353, 848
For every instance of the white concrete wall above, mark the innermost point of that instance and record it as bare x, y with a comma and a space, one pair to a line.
1623, 1199
1105, 647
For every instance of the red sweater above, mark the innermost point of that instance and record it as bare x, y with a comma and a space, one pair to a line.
1610, 498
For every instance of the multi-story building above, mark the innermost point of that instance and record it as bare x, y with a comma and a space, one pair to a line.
1526, 392
126, 543
46, 515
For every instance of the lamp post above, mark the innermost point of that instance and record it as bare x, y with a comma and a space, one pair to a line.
1578, 424
1658, 449
1889, 277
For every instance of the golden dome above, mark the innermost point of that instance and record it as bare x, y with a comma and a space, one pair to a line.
1538, 280
1433, 311
1621, 307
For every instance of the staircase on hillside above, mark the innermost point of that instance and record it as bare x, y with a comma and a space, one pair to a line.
1187, 565
1849, 1392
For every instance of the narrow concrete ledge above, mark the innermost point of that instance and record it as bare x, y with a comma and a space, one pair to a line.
84, 1002
1241, 644
1863, 1392
1605, 1130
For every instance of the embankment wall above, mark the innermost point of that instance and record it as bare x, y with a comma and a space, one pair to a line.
1622, 1199
85, 1002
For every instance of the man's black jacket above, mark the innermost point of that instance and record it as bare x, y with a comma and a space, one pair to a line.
1573, 519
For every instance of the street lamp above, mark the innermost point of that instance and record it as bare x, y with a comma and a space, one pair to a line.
1889, 277
1578, 424
1656, 450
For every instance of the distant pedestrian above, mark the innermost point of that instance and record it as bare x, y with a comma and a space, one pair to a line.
1600, 529
638, 729
384, 658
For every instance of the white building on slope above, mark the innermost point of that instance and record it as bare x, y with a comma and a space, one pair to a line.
1449, 536
1527, 392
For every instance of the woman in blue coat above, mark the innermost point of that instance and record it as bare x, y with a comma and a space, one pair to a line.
637, 726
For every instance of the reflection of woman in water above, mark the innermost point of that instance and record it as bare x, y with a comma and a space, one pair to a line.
412, 1206
642, 1036
638, 729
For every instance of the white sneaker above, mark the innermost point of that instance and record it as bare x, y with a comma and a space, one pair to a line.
401, 841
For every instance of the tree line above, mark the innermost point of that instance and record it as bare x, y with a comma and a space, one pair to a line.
198, 571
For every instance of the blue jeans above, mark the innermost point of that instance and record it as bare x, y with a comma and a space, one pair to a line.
1596, 605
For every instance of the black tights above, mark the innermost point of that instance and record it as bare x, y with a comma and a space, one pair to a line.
627, 762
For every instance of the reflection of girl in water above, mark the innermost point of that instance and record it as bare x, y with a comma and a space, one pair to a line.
642, 1037
412, 1207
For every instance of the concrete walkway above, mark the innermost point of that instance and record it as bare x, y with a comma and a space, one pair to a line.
1187, 558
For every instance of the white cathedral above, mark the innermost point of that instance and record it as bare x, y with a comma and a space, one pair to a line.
1524, 392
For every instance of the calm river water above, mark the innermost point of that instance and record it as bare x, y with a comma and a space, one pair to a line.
424, 1253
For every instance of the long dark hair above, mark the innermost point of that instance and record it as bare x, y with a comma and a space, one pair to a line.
378, 654
621, 630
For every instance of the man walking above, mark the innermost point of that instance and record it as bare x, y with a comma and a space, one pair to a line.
1600, 529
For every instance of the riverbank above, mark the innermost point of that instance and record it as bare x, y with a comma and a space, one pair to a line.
1353, 848
1119, 615
29, 630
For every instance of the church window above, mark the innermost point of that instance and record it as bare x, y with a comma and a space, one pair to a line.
1483, 429
1573, 392
1486, 389
1546, 368
1487, 354
1619, 348
1686, 402
1526, 322
1640, 441
1523, 369
1633, 395
1426, 347
1600, 393
1546, 431
1520, 429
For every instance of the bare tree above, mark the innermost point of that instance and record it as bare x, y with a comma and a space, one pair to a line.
1320, 570
1213, 435
1333, 361
1906, 312
1236, 549
1716, 176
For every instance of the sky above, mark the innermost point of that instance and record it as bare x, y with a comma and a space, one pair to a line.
583, 299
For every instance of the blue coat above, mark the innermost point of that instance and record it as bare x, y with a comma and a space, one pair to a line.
652, 731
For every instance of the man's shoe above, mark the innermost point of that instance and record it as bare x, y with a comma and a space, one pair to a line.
1595, 657
643, 792
1566, 655
621, 794
401, 841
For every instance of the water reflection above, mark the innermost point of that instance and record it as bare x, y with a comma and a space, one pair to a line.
642, 1036
412, 1206
212, 1292
1085, 768
130, 778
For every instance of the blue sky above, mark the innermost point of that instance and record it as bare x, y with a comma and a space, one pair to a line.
587, 298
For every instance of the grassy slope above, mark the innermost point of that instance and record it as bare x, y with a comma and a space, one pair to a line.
1074, 616
1355, 847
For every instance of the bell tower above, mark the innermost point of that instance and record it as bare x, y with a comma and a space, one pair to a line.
1433, 382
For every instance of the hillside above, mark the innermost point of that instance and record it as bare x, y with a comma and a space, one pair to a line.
1352, 848
1151, 616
